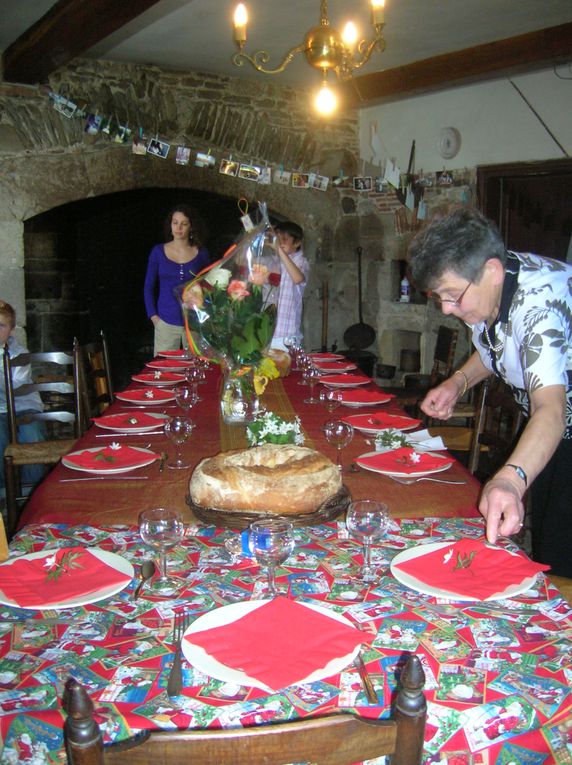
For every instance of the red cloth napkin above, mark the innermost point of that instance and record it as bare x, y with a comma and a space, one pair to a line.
360, 396
147, 395
334, 366
345, 379
382, 420
169, 364
142, 420
26, 581
397, 461
159, 376
108, 458
491, 569
279, 643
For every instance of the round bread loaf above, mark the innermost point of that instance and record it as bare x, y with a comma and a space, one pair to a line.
275, 478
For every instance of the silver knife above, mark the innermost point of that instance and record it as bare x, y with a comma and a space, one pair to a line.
370, 693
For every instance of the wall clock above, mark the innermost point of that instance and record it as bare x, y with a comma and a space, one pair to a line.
449, 142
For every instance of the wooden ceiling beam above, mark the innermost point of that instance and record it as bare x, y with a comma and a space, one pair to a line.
503, 58
67, 30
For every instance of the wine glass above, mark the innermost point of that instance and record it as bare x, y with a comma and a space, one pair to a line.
331, 399
367, 519
304, 364
178, 429
339, 434
272, 541
312, 376
185, 397
162, 528
193, 376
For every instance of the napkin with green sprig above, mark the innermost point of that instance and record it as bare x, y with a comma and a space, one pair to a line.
268, 428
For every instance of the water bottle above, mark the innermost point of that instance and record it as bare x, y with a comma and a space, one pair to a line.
404, 290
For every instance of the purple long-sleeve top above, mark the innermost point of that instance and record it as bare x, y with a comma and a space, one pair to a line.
162, 276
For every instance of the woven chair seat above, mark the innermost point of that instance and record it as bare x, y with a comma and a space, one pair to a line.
40, 452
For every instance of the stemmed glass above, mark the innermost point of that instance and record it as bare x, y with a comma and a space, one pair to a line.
367, 519
312, 376
272, 541
304, 365
339, 434
194, 377
185, 397
162, 528
331, 399
178, 429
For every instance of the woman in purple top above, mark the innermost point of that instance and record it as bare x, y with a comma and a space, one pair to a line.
170, 264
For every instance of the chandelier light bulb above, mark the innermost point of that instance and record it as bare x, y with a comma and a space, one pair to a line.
350, 35
377, 9
326, 101
240, 22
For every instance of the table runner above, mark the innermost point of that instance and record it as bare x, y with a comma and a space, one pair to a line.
116, 501
498, 674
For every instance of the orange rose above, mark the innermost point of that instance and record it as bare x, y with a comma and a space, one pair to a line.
193, 296
259, 274
237, 290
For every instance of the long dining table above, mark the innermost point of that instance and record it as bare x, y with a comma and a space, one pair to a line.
498, 672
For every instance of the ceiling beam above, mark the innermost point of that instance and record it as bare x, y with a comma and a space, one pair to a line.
67, 30
503, 58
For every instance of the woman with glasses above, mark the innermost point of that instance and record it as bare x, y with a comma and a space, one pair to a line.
519, 307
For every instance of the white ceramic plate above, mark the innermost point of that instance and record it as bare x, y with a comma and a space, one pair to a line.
364, 404
340, 367
147, 457
180, 354
160, 396
349, 384
169, 365
109, 558
326, 357
438, 592
148, 378
417, 474
127, 428
366, 423
200, 659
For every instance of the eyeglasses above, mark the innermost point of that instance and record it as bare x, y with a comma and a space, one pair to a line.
448, 301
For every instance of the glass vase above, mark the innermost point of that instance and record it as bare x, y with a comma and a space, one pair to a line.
239, 403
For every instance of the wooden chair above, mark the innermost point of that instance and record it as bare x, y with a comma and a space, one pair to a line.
338, 739
97, 385
56, 379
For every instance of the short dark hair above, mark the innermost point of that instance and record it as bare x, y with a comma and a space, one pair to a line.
7, 310
461, 241
289, 227
189, 213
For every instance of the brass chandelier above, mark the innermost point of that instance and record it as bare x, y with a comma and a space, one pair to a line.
325, 48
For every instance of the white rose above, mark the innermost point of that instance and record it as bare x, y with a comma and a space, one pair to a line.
218, 277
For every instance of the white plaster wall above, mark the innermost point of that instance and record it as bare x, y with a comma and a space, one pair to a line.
495, 123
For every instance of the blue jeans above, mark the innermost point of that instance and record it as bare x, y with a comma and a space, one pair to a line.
27, 434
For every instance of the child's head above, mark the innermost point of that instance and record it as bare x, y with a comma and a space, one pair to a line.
7, 322
289, 233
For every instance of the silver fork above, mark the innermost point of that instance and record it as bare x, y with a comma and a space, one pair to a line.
175, 682
408, 481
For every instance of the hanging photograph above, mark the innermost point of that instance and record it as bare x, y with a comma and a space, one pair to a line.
228, 167
319, 182
92, 124
139, 147
300, 180
65, 107
123, 134
249, 172
158, 148
362, 184
265, 176
204, 160
283, 177
183, 155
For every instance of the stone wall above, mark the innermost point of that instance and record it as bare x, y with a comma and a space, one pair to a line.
47, 161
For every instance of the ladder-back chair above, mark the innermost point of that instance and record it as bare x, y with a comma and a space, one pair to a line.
338, 739
97, 383
55, 377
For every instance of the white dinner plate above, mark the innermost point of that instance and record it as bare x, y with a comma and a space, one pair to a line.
367, 423
147, 457
326, 357
109, 558
161, 419
340, 367
180, 354
418, 474
169, 365
339, 384
138, 396
151, 378
364, 404
204, 662
438, 592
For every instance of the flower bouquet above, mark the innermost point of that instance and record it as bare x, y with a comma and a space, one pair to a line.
230, 314
268, 428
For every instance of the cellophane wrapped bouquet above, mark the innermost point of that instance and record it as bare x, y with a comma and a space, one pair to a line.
229, 311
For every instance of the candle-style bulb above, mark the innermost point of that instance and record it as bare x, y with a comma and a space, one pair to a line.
377, 11
240, 22
350, 35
